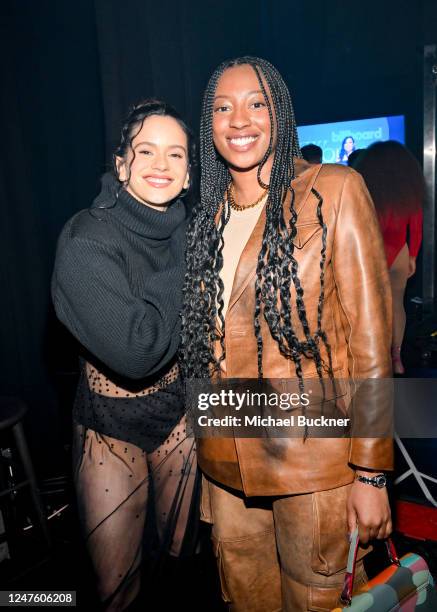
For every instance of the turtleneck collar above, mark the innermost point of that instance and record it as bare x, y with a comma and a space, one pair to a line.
134, 215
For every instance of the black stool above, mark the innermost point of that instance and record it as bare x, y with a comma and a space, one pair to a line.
12, 411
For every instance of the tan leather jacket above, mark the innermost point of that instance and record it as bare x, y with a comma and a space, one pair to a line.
356, 319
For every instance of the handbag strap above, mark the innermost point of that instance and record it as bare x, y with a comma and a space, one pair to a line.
346, 594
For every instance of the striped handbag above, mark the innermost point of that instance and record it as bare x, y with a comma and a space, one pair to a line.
406, 585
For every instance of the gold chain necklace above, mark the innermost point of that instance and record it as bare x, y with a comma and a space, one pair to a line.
235, 206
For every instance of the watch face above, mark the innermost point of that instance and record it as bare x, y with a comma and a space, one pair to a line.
381, 481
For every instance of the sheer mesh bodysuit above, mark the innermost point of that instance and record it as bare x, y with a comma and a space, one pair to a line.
126, 445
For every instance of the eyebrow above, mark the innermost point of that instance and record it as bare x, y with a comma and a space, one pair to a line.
249, 93
153, 144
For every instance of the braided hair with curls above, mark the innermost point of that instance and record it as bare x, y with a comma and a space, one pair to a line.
276, 268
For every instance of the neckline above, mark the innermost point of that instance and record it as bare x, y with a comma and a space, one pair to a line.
136, 216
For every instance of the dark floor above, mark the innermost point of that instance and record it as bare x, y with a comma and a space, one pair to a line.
191, 583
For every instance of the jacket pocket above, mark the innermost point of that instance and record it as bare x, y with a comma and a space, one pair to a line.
249, 571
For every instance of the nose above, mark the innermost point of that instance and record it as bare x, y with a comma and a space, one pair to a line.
160, 161
240, 117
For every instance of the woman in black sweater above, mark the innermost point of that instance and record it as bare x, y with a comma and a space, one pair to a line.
117, 287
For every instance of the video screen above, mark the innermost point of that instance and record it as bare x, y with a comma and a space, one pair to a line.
338, 140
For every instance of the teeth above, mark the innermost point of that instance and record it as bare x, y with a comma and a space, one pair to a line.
243, 141
158, 180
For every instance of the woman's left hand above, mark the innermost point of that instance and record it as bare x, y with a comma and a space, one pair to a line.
368, 508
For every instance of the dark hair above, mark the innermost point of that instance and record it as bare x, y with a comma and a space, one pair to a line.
312, 153
134, 123
277, 268
393, 177
352, 160
342, 149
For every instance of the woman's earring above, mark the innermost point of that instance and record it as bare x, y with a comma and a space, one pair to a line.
185, 190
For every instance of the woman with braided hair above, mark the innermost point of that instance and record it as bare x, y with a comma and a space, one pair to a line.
117, 286
285, 277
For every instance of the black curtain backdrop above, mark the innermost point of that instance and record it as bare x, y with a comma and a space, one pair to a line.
69, 72
52, 155
167, 50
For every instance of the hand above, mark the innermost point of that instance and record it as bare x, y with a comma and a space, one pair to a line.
368, 508
411, 266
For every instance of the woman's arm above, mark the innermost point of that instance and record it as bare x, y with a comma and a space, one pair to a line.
92, 297
362, 281
415, 233
361, 276
415, 230
363, 287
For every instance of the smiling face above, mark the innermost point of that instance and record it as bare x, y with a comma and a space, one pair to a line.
241, 122
349, 144
156, 166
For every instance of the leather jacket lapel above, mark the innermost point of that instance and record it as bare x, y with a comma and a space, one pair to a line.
302, 186
246, 268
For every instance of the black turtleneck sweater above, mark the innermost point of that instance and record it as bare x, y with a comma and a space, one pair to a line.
118, 278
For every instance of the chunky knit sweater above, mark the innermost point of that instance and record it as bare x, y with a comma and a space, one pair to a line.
118, 278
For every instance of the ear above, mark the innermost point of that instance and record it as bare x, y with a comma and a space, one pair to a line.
187, 180
120, 164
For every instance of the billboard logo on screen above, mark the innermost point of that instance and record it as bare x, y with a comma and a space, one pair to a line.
366, 135
338, 139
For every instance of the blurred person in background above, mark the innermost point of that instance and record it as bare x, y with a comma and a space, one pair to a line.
312, 153
353, 157
395, 181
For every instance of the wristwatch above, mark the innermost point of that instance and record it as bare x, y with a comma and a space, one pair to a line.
379, 481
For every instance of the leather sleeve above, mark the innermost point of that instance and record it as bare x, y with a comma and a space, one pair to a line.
364, 293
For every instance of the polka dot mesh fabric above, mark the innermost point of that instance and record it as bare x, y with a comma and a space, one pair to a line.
127, 451
143, 417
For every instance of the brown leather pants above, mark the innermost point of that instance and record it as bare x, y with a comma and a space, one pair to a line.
282, 553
